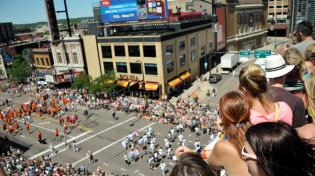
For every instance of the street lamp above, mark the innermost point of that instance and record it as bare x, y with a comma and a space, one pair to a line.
142, 71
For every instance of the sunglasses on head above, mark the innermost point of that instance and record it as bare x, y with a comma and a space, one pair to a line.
246, 155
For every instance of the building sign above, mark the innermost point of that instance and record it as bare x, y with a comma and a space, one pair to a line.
129, 77
244, 55
133, 10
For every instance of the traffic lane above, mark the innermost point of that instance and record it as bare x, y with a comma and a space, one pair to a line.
97, 141
114, 156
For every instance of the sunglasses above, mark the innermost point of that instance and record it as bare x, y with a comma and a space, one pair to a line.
246, 155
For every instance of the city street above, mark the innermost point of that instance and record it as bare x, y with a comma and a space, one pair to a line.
100, 134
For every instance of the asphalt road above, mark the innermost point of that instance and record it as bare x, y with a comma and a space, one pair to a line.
100, 134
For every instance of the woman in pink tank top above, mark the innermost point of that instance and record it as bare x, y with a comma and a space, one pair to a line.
253, 83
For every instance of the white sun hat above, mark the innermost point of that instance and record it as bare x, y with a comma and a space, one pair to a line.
275, 66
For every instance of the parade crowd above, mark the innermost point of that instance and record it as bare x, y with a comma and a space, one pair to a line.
267, 123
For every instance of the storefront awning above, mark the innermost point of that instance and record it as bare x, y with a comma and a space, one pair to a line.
151, 86
132, 83
109, 81
175, 82
185, 76
122, 83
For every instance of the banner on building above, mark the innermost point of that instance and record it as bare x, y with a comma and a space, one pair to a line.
133, 10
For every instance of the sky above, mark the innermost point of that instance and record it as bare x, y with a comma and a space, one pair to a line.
30, 11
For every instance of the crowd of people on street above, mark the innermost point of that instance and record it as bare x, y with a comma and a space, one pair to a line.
14, 162
265, 129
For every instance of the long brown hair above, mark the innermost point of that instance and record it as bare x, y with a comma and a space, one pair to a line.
234, 112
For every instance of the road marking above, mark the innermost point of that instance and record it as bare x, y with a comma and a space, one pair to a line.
141, 174
59, 145
104, 148
122, 169
136, 171
43, 123
47, 129
23, 136
111, 122
96, 134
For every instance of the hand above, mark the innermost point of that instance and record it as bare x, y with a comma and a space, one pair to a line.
180, 150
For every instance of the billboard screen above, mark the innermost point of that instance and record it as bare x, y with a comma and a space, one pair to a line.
133, 10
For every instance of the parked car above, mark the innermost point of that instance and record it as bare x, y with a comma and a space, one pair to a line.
214, 78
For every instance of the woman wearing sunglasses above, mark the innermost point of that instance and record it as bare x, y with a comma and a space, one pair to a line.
275, 149
234, 113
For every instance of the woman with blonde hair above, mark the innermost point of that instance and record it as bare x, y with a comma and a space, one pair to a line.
253, 83
293, 57
310, 97
234, 111
310, 59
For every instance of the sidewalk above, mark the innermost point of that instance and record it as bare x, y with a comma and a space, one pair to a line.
199, 88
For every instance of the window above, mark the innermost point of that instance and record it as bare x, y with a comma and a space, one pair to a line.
75, 58
135, 68
59, 58
121, 67
36, 61
134, 51
67, 58
193, 55
270, 6
181, 45
285, 6
279, 6
42, 61
278, 13
170, 66
120, 51
108, 67
203, 51
149, 51
210, 45
182, 60
106, 52
150, 69
169, 50
192, 41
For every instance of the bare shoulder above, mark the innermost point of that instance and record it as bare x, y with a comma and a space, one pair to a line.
224, 147
222, 152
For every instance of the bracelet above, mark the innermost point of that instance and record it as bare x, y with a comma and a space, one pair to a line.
204, 154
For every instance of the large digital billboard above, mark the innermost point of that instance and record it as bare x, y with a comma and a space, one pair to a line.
133, 10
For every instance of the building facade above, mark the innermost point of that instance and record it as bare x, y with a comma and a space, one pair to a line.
69, 58
6, 33
165, 61
301, 10
43, 62
246, 25
3, 73
278, 13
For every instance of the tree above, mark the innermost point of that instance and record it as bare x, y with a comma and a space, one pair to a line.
84, 81
104, 83
20, 70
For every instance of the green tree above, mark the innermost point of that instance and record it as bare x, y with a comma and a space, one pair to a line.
20, 70
104, 83
84, 81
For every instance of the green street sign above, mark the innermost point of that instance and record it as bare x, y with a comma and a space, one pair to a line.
245, 53
262, 53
